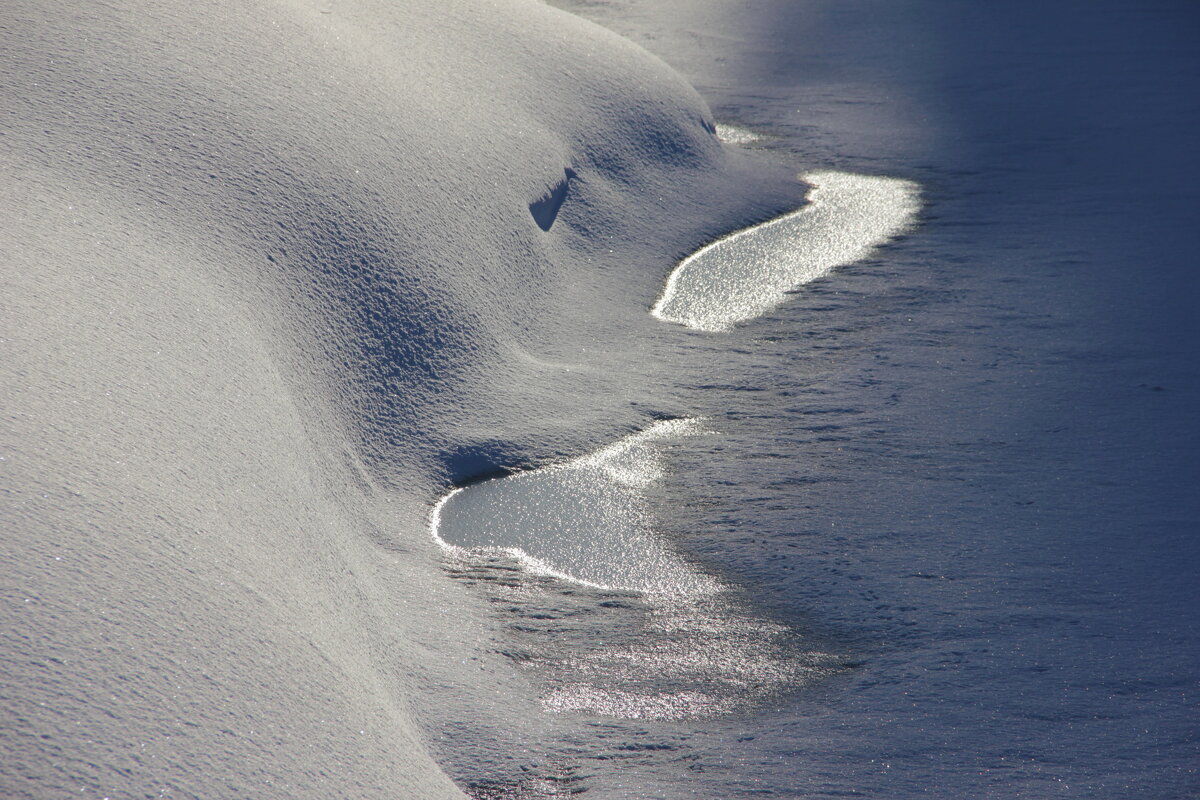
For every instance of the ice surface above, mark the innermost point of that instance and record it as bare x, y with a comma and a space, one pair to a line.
748, 273
584, 520
979, 452
736, 134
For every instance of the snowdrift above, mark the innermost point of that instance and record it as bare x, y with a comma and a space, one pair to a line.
275, 276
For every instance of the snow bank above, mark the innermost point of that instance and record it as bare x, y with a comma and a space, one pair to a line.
273, 278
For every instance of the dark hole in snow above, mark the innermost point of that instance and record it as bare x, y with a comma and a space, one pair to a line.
545, 208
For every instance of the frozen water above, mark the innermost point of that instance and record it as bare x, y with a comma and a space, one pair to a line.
748, 273
736, 134
584, 520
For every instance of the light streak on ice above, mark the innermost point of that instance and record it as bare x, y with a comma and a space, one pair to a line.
733, 134
584, 520
748, 273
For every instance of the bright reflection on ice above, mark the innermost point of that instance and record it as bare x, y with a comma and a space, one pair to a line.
655, 639
748, 273
614, 653
584, 520
586, 699
733, 134
690, 658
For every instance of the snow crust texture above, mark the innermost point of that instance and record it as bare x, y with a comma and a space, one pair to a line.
273, 276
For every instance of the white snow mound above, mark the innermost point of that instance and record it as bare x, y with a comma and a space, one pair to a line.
273, 276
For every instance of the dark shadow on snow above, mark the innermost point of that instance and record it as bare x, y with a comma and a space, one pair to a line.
545, 208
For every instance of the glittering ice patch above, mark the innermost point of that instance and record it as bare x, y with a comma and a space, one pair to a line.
612, 621
689, 658
748, 273
585, 520
735, 134
587, 699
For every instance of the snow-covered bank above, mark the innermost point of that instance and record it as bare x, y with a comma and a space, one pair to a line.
277, 275
271, 279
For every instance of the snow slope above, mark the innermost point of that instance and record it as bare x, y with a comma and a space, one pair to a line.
271, 282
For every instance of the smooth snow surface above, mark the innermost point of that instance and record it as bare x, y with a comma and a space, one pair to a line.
748, 273
585, 520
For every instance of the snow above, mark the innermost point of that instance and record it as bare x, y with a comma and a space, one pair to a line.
271, 283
